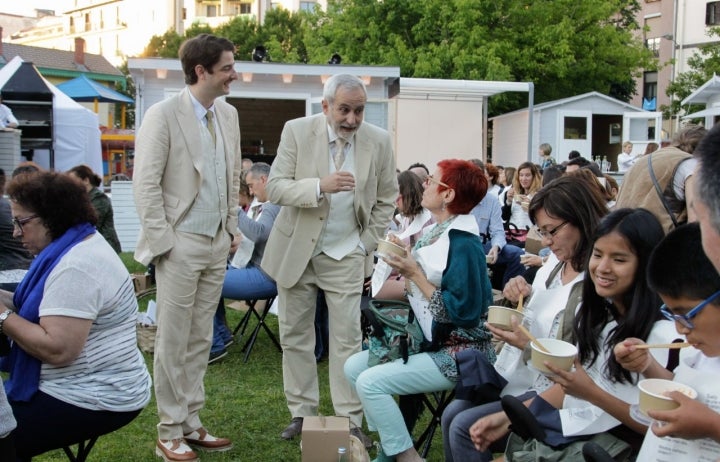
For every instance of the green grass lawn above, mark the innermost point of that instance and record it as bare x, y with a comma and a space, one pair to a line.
245, 402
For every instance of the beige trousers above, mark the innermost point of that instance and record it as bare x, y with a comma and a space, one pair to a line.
189, 283
342, 282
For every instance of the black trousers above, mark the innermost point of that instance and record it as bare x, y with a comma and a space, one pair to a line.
45, 423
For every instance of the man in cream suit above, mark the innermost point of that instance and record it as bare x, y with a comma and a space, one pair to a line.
330, 221
186, 183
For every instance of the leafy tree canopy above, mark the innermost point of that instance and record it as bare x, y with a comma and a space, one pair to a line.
566, 47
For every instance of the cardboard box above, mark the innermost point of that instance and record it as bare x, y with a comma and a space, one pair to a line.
141, 281
322, 436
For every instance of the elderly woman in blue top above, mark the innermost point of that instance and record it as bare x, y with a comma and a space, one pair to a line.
75, 369
449, 290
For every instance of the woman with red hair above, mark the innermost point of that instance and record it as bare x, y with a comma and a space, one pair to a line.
449, 290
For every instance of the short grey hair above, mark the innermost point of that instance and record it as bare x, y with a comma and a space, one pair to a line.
346, 81
259, 169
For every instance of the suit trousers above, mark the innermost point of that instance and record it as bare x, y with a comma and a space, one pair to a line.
342, 282
189, 282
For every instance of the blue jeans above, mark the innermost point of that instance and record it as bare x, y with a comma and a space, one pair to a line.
376, 386
457, 419
510, 257
247, 283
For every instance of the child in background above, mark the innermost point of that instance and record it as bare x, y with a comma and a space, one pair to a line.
690, 288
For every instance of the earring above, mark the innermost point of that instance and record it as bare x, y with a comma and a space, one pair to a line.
443, 206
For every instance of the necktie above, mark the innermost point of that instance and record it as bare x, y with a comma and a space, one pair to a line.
211, 124
339, 157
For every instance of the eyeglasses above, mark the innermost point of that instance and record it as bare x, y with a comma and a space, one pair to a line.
550, 234
685, 319
19, 222
430, 178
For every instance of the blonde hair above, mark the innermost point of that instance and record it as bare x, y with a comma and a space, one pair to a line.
536, 181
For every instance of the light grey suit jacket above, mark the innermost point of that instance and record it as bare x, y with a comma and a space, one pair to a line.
303, 157
168, 166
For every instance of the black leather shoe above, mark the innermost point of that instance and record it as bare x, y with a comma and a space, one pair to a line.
292, 430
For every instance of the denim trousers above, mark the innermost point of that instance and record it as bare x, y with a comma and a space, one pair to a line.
247, 283
457, 419
376, 386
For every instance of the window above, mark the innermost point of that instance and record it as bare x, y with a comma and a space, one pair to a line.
245, 8
575, 128
712, 14
307, 6
650, 91
211, 11
653, 44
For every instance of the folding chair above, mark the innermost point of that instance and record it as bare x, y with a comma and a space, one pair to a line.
83, 450
435, 402
260, 317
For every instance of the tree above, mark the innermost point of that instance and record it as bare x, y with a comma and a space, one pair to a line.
565, 47
703, 65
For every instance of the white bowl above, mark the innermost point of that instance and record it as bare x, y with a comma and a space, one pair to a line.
499, 316
653, 394
386, 248
562, 354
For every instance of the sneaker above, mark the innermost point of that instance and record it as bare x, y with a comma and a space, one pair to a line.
229, 342
217, 355
364, 439
292, 430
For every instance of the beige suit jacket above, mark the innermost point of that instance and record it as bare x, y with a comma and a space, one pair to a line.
302, 158
168, 166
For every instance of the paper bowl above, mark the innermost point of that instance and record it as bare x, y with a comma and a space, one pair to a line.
653, 398
562, 354
499, 316
386, 248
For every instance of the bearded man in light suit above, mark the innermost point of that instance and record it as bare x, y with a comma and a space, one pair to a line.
327, 229
186, 183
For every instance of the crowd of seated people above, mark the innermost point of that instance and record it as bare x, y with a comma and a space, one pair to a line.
599, 284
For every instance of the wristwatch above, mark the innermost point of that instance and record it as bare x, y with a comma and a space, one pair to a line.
3, 316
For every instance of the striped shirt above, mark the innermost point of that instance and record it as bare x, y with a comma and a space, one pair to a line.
91, 282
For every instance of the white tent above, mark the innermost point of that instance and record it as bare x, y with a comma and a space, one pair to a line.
75, 129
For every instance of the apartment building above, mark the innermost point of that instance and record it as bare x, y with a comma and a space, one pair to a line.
118, 29
675, 30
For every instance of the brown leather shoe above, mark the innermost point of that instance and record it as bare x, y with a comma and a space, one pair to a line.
292, 430
201, 439
175, 451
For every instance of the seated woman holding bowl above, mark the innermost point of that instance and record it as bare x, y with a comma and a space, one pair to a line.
75, 368
449, 290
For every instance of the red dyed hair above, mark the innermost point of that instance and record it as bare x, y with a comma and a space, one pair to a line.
467, 179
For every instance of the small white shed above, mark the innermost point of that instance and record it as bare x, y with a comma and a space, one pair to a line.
592, 123
709, 95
